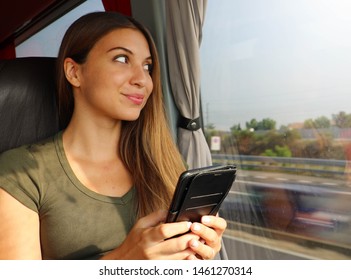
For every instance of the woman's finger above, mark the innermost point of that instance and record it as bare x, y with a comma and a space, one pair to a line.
170, 230
206, 252
215, 222
161, 232
177, 245
210, 229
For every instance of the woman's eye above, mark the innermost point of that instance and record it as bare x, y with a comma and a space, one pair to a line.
122, 59
148, 67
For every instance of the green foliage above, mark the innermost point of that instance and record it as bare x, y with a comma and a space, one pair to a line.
308, 124
283, 151
245, 140
342, 120
252, 124
235, 127
320, 122
261, 138
278, 151
269, 153
265, 124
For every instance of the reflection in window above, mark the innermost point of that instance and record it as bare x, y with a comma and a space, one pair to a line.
47, 41
276, 94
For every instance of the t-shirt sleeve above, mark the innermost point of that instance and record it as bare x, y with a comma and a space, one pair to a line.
19, 177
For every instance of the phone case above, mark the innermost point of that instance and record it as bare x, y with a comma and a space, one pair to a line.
200, 192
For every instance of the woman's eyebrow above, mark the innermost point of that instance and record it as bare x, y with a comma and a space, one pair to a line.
120, 48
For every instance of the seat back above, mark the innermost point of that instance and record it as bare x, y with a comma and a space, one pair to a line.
28, 111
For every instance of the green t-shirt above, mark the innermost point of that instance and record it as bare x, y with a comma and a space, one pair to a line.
75, 222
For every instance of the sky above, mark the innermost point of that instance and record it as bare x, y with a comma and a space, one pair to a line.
284, 60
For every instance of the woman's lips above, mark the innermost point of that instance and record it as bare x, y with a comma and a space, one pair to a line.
136, 98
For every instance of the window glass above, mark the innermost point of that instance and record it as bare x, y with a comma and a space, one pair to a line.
47, 41
276, 102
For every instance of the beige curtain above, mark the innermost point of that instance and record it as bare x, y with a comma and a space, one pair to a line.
184, 21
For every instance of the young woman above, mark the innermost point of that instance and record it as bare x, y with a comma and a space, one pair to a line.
95, 189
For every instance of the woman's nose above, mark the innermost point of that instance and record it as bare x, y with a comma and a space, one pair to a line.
140, 76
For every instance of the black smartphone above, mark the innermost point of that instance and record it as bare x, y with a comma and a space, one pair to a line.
200, 192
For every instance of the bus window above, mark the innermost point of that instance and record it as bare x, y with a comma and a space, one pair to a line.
275, 98
47, 41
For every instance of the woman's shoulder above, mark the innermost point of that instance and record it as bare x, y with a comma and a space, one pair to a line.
22, 169
28, 153
15, 156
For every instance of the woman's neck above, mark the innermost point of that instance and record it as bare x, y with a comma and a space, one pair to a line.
92, 152
91, 140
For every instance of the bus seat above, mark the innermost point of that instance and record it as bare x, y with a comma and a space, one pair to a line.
28, 111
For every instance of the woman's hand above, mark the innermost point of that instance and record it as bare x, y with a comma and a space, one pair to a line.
150, 238
210, 232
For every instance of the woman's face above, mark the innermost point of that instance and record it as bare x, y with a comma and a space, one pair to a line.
115, 81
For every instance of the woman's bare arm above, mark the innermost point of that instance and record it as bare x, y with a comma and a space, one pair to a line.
19, 230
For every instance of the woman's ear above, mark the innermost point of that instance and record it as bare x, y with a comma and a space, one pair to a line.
71, 69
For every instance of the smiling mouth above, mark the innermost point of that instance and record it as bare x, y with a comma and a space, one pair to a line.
136, 99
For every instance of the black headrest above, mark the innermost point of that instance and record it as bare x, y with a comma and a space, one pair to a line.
28, 111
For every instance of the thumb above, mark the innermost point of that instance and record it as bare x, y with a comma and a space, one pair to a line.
152, 219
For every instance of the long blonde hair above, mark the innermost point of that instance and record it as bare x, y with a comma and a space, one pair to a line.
146, 145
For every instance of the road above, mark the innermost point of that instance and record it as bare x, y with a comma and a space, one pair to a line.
285, 216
